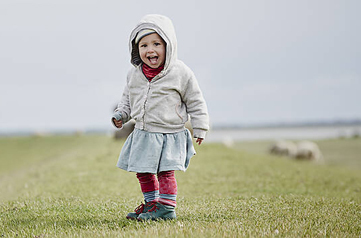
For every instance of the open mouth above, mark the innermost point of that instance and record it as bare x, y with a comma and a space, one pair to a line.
153, 59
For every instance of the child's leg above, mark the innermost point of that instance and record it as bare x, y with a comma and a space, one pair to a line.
165, 207
149, 186
167, 188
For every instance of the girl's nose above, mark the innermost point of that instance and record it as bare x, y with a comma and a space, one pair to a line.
150, 49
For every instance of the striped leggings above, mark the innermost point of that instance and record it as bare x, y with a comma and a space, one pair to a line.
161, 188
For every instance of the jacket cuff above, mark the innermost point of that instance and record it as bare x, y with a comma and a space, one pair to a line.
117, 116
199, 133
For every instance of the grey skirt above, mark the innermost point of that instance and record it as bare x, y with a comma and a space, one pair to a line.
148, 152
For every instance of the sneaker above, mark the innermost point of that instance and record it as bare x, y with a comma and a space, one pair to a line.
157, 211
137, 211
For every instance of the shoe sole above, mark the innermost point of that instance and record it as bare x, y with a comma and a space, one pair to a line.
157, 219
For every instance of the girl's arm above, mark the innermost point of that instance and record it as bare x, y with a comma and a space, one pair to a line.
196, 108
122, 112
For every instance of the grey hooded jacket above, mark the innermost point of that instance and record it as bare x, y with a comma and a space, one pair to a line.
162, 105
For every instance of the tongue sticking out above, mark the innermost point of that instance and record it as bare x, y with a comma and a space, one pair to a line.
153, 60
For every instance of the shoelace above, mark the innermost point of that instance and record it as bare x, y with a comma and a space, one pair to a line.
139, 209
153, 205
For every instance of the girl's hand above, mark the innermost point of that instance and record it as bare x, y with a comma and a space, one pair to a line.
118, 124
199, 141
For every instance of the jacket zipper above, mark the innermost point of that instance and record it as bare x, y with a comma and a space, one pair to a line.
146, 99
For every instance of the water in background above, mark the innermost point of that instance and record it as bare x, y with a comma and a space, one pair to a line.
291, 133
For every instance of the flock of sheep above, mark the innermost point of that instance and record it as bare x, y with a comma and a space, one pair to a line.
303, 150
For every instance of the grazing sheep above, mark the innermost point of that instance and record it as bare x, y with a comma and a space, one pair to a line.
228, 142
308, 150
284, 148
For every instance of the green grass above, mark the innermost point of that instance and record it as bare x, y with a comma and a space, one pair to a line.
69, 186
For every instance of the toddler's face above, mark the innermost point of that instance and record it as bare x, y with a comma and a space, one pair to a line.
152, 50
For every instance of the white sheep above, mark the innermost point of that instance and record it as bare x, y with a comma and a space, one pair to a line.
308, 150
284, 148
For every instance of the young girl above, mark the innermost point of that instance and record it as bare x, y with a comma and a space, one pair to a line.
160, 93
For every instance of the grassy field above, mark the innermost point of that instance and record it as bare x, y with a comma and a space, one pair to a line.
68, 186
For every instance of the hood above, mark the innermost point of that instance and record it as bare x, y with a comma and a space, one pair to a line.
165, 29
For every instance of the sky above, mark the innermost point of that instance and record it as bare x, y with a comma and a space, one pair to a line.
63, 63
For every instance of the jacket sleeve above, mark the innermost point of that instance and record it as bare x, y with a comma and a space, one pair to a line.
123, 109
196, 107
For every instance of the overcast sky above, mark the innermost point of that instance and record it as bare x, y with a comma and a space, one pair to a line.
63, 63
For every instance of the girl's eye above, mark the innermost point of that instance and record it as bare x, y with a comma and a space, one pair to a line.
156, 44
144, 45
